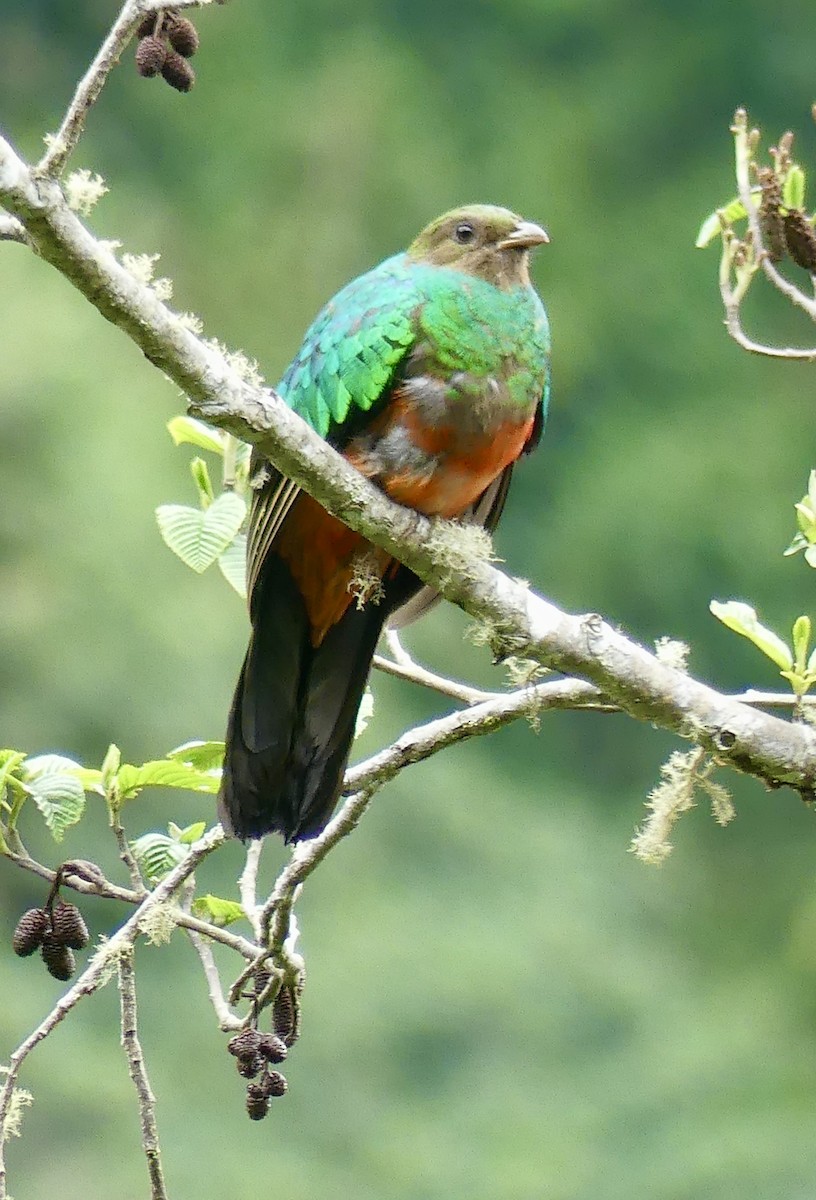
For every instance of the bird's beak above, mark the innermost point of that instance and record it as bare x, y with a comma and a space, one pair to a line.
525, 235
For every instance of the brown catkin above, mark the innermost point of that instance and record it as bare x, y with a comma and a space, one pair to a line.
148, 25
178, 72
770, 219
284, 1015
31, 929
151, 55
800, 239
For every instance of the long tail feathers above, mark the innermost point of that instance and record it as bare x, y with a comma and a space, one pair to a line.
295, 707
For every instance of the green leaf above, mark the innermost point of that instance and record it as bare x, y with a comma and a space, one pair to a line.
60, 797
199, 538
204, 756
196, 433
157, 854
43, 764
192, 833
201, 478
801, 642
793, 189
9, 762
712, 225
233, 564
219, 912
164, 772
743, 620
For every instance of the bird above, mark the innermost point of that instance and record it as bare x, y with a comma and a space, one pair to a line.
430, 375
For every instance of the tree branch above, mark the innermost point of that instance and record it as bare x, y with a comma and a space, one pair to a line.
775, 751
138, 1073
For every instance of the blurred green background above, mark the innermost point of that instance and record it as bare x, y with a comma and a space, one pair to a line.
501, 1002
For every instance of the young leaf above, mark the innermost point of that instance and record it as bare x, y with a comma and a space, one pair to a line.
204, 756
793, 189
60, 797
712, 225
801, 642
232, 564
219, 912
196, 433
201, 478
164, 773
157, 854
192, 833
199, 538
743, 619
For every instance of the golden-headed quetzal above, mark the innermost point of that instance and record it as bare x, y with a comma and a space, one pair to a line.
430, 375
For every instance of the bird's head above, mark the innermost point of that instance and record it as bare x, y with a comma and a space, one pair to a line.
484, 240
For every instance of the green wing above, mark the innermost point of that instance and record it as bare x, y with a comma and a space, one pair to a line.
345, 365
353, 347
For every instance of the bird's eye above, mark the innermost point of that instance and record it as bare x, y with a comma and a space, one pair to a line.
464, 233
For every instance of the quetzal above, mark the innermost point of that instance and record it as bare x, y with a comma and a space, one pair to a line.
430, 375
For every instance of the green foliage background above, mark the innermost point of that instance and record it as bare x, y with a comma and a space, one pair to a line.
501, 1001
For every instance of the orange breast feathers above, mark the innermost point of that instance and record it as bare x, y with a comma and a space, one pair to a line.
334, 567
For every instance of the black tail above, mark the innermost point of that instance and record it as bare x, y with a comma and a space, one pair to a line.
295, 707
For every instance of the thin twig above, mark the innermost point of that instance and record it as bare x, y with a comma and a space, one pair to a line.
97, 973
226, 1018
62, 144
416, 673
248, 884
125, 852
138, 1073
111, 891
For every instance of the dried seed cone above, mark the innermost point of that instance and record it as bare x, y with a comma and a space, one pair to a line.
801, 239
245, 1044
68, 926
58, 958
257, 1103
151, 56
183, 36
770, 219
178, 72
284, 1016
31, 929
147, 26
274, 1084
250, 1067
272, 1048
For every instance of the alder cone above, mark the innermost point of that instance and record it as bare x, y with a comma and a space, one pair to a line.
178, 72
58, 958
274, 1084
68, 926
250, 1067
257, 1103
272, 1047
245, 1044
31, 929
183, 36
151, 55
147, 25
